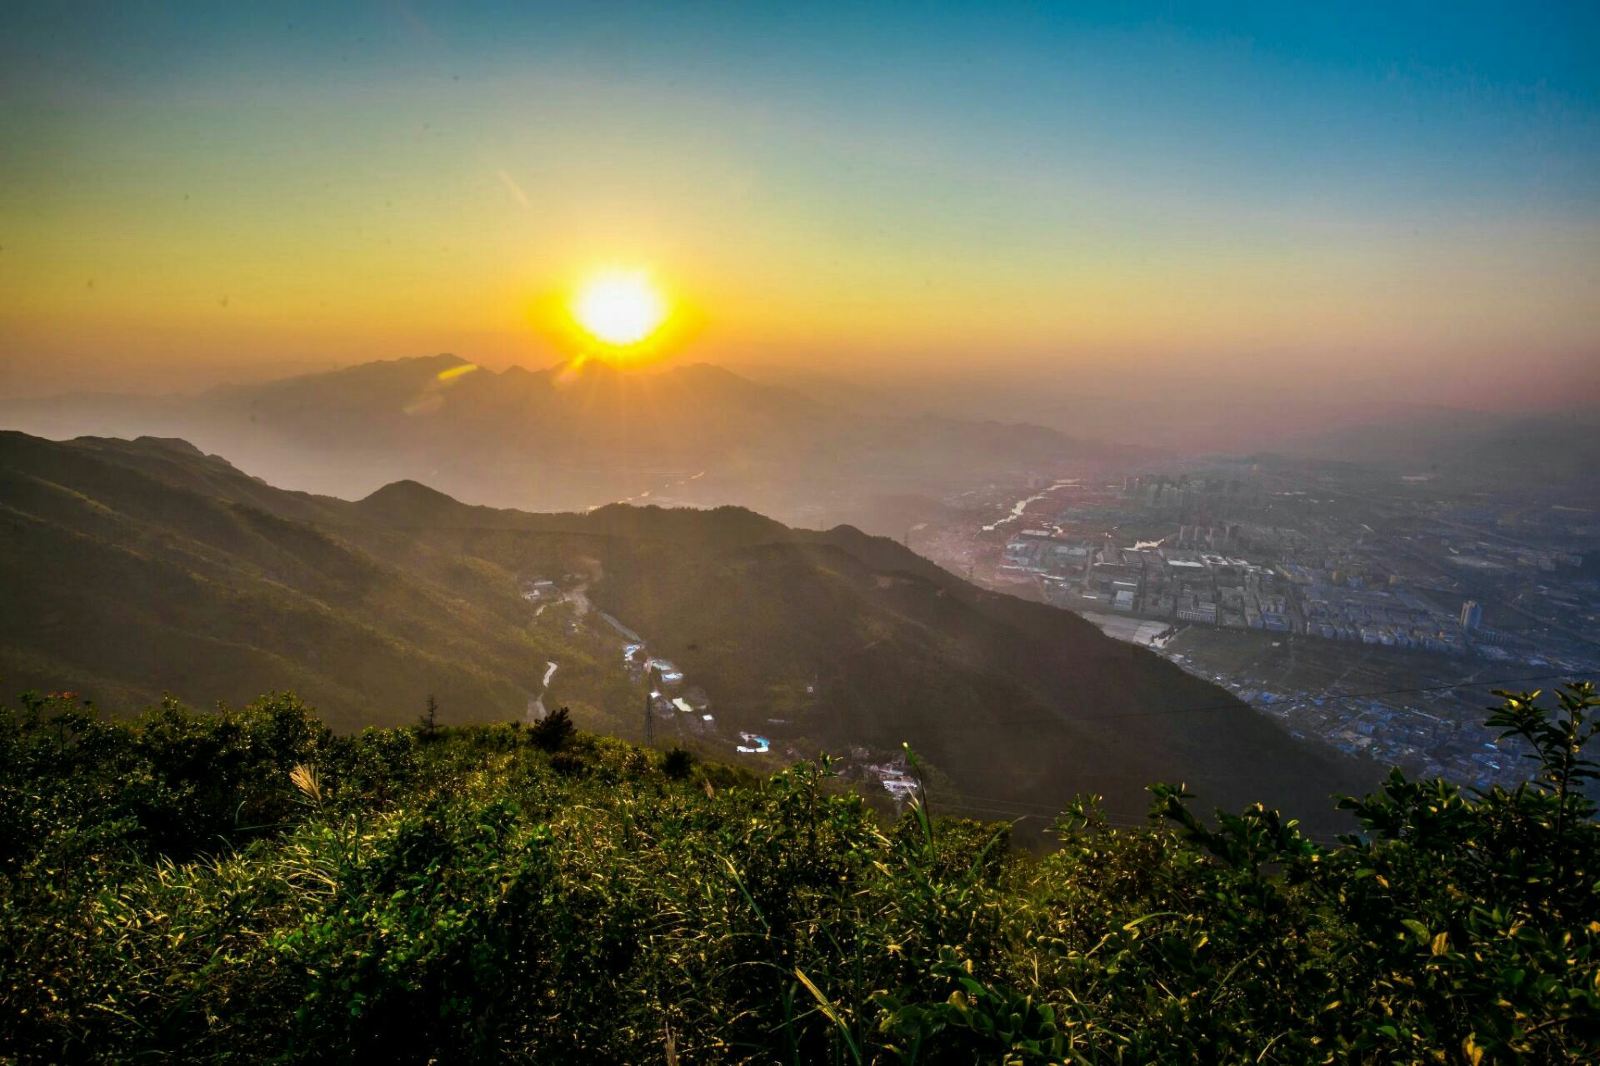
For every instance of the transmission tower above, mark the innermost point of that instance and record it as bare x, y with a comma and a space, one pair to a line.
649, 708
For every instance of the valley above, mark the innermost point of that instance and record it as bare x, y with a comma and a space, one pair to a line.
854, 644
1362, 607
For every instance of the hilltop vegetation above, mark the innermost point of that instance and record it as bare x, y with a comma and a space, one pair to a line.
246, 885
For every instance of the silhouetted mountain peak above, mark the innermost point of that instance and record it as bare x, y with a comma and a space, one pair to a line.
362, 385
174, 444
409, 495
719, 525
569, 436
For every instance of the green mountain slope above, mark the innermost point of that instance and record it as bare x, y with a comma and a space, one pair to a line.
137, 569
148, 567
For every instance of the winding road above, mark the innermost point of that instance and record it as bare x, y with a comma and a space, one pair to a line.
536, 708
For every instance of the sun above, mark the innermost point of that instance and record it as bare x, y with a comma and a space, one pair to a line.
620, 308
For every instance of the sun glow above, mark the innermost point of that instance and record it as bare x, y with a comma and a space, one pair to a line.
620, 308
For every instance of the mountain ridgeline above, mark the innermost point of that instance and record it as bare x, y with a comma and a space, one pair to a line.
144, 567
570, 437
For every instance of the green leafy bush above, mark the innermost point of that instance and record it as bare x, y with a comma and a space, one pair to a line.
678, 763
552, 732
243, 885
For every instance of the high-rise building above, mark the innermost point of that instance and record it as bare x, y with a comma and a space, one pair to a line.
1471, 615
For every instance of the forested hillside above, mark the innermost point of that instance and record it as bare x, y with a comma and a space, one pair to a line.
148, 567
248, 886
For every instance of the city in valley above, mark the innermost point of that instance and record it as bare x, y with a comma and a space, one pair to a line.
1370, 611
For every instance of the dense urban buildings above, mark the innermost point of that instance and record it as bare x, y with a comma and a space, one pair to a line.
1366, 610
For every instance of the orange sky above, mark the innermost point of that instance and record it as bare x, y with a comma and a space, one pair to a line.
223, 210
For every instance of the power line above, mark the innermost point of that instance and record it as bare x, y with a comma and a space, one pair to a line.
1018, 810
1025, 809
1020, 803
1235, 705
939, 806
649, 700
1115, 821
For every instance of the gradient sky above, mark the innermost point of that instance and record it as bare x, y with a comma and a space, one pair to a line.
1378, 200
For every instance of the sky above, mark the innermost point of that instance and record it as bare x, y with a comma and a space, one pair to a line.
1367, 201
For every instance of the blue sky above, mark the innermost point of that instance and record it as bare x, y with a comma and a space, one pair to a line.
976, 150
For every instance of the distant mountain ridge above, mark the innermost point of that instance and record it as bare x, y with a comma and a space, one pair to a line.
570, 437
1488, 448
137, 567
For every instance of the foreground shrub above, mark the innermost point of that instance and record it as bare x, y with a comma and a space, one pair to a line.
242, 885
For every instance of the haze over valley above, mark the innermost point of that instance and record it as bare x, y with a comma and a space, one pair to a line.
571, 438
